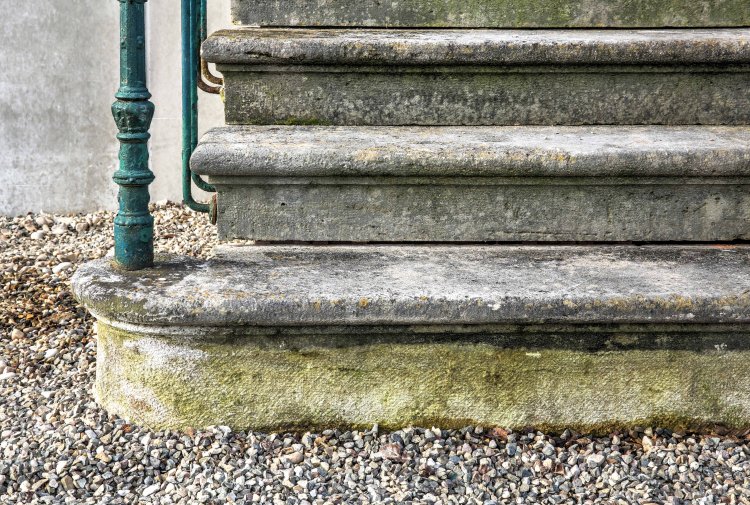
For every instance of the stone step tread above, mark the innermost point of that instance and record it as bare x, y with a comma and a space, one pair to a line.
297, 46
248, 285
371, 151
492, 13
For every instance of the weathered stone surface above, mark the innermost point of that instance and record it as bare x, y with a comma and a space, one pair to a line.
523, 151
492, 13
471, 210
592, 96
247, 383
396, 285
483, 77
459, 184
276, 337
294, 46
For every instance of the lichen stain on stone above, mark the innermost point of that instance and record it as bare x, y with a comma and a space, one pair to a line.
624, 339
569, 304
158, 353
120, 383
624, 304
369, 155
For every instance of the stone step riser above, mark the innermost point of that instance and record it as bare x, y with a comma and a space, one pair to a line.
483, 77
483, 210
475, 184
545, 96
492, 13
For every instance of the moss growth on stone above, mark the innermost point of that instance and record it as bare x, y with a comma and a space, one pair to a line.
166, 382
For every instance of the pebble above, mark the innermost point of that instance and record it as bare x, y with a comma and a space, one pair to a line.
595, 460
295, 458
390, 452
61, 267
511, 449
58, 447
150, 490
67, 483
59, 229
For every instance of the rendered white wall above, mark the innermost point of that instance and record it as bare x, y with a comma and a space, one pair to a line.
60, 72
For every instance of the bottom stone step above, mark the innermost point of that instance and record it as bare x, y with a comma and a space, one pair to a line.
271, 337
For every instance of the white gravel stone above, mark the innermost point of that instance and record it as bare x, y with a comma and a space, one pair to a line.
58, 447
295, 458
150, 490
595, 460
59, 229
647, 444
61, 267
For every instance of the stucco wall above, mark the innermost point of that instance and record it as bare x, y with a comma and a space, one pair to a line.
60, 72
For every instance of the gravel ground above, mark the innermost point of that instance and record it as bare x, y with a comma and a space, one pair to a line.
58, 446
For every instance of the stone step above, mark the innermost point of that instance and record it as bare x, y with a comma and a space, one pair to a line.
483, 77
476, 184
269, 337
493, 13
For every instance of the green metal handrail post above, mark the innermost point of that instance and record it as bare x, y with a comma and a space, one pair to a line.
133, 112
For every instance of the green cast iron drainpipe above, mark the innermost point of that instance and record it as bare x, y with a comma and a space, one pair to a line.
133, 113
194, 32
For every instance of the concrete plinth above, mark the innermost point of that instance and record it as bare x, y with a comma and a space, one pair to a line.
278, 337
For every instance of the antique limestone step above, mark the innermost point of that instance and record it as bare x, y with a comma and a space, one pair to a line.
483, 77
476, 184
493, 13
268, 337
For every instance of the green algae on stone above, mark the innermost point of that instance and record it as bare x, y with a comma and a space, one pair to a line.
169, 382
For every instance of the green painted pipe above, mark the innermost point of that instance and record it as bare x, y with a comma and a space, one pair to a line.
193, 34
